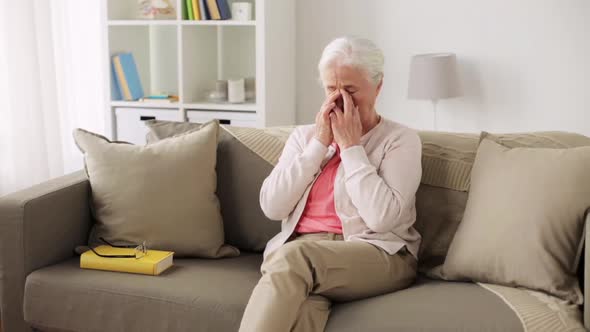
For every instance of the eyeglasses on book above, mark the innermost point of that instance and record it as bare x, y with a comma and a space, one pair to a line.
139, 250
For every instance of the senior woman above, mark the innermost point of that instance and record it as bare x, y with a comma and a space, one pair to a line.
344, 189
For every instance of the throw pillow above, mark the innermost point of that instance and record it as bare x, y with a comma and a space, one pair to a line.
163, 193
245, 157
523, 220
442, 196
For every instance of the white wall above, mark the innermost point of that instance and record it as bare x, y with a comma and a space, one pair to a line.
525, 65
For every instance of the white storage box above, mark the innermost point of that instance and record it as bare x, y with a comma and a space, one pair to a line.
239, 119
130, 126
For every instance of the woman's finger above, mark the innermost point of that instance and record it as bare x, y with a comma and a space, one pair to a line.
332, 117
333, 96
328, 99
339, 114
347, 103
326, 110
325, 105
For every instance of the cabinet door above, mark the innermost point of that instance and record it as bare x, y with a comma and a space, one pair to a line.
130, 126
239, 119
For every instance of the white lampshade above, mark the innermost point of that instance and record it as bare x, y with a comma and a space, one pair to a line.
433, 76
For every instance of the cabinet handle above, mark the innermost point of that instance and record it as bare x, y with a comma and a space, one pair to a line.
224, 121
145, 118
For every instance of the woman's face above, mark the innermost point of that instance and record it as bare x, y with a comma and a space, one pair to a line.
354, 80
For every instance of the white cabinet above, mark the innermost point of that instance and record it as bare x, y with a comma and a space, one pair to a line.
239, 119
130, 126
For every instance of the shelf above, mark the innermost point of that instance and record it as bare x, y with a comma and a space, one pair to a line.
123, 103
141, 22
155, 51
245, 107
230, 53
219, 23
184, 22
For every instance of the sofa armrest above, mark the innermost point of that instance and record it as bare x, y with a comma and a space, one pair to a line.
39, 226
587, 271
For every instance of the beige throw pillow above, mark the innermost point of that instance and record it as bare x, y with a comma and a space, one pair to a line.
440, 206
163, 193
240, 173
523, 220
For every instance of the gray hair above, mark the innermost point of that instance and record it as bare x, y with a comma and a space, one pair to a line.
358, 52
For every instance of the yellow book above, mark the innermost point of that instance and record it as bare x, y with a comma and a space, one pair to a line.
196, 9
122, 80
213, 9
153, 263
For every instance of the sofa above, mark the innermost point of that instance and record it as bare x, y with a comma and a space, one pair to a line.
43, 288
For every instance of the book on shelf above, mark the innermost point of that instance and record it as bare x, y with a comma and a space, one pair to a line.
127, 76
163, 99
208, 10
153, 263
189, 10
115, 90
224, 10
213, 9
204, 10
196, 10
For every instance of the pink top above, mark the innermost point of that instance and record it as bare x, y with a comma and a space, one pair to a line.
376, 191
319, 214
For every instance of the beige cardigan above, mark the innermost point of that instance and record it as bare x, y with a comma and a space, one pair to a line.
374, 189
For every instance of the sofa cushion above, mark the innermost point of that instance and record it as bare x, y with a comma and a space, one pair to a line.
211, 295
447, 159
193, 295
245, 157
540, 139
429, 305
438, 214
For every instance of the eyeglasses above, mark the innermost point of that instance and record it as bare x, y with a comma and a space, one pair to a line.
139, 250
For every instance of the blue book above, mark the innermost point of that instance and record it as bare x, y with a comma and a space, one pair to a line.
224, 11
204, 10
127, 76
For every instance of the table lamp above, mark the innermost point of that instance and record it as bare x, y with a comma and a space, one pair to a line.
433, 76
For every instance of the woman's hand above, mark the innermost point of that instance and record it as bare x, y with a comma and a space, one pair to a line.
323, 130
346, 125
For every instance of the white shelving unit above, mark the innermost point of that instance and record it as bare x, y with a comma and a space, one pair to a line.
185, 58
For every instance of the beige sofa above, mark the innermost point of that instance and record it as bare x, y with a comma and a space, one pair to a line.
42, 286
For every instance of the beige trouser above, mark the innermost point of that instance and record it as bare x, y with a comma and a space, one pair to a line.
301, 279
